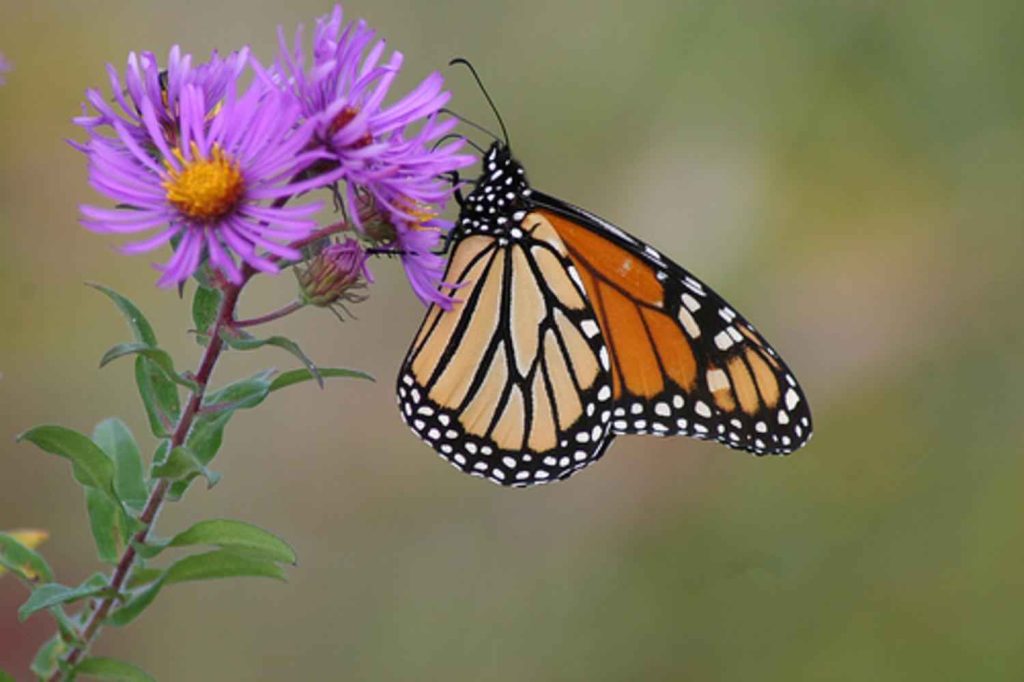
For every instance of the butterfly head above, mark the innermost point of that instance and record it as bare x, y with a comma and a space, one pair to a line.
501, 192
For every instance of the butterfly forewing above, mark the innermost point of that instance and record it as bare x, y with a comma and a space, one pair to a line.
683, 360
513, 383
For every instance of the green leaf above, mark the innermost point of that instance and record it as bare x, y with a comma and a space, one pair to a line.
159, 396
115, 439
160, 358
144, 576
150, 548
47, 658
111, 669
205, 437
6, 677
236, 535
68, 626
221, 563
106, 519
207, 433
19, 559
205, 308
181, 464
53, 594
246, 342
89, 464
141, 328
136, 604
297, 376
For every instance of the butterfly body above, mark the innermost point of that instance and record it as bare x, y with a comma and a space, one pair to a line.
569, 331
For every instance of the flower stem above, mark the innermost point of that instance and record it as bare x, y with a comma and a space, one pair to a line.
271, 316
225, 319
159, 492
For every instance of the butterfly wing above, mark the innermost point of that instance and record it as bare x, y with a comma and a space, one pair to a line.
513, 383
683, 360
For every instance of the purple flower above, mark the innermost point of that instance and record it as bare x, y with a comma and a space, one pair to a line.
145, 81
5, 67
215, 193
343, 91
345, 86
409, 187
424, 269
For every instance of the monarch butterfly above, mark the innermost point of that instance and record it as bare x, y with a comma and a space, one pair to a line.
568, 332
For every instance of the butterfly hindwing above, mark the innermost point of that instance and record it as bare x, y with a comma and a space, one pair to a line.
684, 361
513, 382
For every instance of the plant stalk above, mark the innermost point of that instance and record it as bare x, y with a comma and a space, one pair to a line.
225, 320
271, 316
159, 492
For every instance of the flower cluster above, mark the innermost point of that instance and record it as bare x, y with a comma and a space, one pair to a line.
218, 159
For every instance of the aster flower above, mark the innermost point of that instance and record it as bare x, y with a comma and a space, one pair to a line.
343, 92
5, 68
345, 87
162, 87
207, 194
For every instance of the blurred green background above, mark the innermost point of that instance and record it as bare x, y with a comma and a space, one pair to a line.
848, 173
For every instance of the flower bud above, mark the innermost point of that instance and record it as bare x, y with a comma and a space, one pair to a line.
376, 222
335, 274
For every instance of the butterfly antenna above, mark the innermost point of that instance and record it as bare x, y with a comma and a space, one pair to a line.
456, 136
468, 122
487, 95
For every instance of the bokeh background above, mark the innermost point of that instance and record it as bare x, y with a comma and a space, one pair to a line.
847, 173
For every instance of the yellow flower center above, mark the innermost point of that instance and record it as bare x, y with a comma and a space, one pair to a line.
204, 189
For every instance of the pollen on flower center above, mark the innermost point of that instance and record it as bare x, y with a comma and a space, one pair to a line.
423, 213
205, 189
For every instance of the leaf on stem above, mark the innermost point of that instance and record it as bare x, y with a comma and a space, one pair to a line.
108, 524
68, 626
47, 659
89, 464
161, 359
207, 433
157, 389
228, 534
181, 464
140, 326
159, 396
116, 440
111, 669
240, 340
297, 376
205, 307
54, 594
221, 563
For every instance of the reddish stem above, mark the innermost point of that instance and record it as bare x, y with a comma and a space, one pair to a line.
159, 492
271, 316
225, 320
